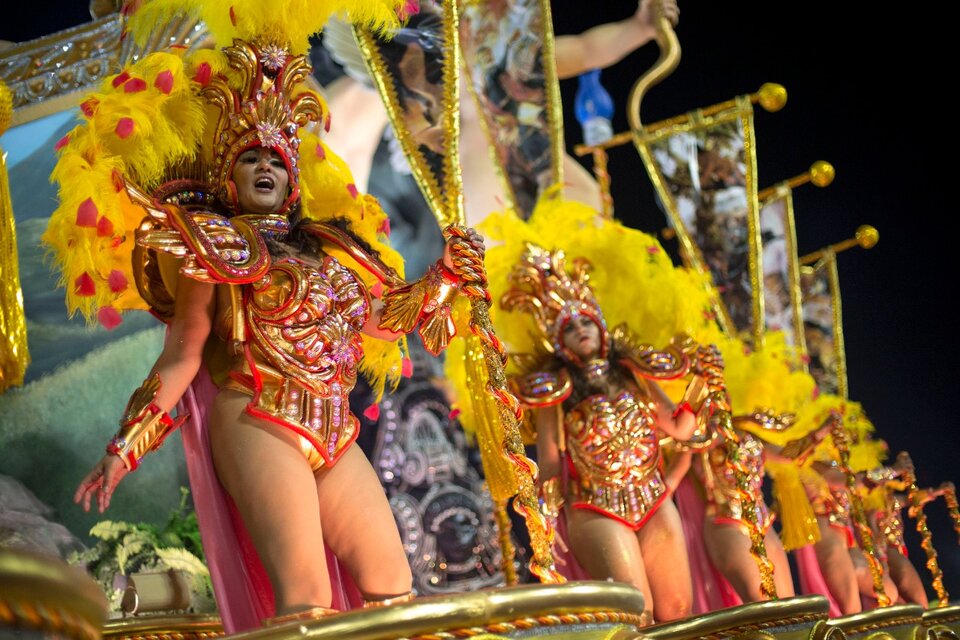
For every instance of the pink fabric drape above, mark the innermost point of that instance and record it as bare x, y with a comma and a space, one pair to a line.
811, 578
243, 592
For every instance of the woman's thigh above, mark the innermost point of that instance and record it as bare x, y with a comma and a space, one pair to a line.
664, 550
360, 528
263, 469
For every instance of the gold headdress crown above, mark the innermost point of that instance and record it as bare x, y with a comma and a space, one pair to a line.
262, 111
541, 286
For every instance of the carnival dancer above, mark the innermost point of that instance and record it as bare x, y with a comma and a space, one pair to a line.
249, 239
595, 396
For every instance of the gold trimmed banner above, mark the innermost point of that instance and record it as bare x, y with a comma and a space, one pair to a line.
781, 268
509, 61
704, 170
823, 324
418, 79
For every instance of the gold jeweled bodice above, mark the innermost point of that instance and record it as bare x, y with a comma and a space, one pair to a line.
303, 329
615, 451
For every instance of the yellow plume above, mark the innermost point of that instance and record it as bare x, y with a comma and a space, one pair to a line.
287, 23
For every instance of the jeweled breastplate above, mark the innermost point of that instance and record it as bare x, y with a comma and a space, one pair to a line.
615, 451
724, 498
303, 325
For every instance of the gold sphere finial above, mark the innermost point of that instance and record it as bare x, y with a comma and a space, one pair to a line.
822, 173
867, 236
773, 96
6, 107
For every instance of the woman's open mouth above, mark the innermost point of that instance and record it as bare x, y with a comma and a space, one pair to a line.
264, 184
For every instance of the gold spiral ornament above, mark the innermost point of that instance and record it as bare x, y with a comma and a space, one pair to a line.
712, 371
842, 443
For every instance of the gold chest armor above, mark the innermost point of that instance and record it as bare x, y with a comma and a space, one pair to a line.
615, 451
303, 348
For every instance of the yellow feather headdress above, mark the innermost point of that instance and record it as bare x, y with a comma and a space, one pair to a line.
177, 120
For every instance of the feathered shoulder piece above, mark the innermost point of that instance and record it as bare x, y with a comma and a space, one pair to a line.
178, 117
643, 360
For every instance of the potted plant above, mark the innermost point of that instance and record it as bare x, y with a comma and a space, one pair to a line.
143, 567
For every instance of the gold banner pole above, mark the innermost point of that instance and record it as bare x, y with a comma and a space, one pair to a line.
865, 237
446, 202
820, 174
14, 356
770, 96
602, 175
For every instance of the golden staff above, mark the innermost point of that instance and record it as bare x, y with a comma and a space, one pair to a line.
841, 441
916, 498
865, 236
14, 354
820, 174
664, 66
711, 367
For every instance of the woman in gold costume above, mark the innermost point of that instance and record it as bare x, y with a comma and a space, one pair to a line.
270, 270
599, 415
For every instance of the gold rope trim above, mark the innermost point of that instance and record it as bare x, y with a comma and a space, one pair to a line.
525, 624
842, 443
48, 617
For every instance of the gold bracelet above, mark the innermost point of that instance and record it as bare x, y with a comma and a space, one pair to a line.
144, 425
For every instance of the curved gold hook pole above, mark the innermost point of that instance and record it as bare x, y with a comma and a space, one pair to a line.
664, 66
865, 236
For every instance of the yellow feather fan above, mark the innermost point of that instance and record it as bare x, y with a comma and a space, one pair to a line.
143, 121
288, 23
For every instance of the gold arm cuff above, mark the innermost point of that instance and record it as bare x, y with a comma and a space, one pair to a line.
695, 395
144, 425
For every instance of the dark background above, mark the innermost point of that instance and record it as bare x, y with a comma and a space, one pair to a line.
867, 94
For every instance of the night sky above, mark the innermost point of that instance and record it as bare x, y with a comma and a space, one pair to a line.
866, 95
